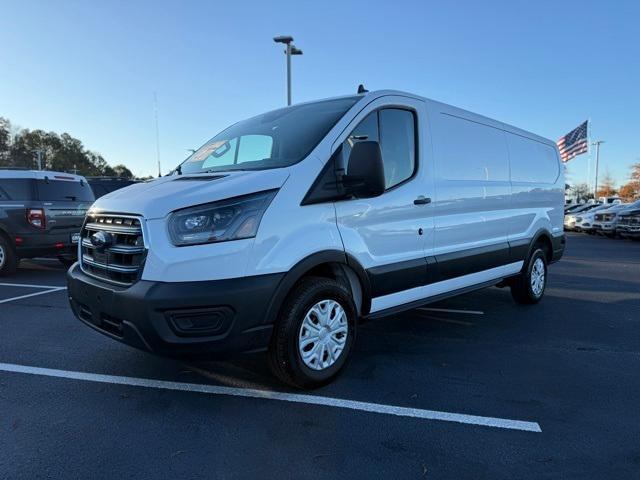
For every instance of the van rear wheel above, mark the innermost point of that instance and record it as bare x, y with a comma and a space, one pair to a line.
8, 259
528, 287
314, 335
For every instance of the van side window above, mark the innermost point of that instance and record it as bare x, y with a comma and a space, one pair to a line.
532, 161
397, 142
470, 151
394, 129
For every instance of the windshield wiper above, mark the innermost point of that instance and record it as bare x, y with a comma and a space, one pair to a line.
213, 170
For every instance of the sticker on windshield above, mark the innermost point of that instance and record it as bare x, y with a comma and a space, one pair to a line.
206, 151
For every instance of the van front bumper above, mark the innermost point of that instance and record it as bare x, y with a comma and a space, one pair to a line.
179, 318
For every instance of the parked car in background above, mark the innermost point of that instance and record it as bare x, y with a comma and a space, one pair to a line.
41, 214
584, 220
570, 219
103, 185
613, 199
605, 221
628, 225
573, 208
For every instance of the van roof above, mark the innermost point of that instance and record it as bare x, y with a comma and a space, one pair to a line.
40, 175
464, 114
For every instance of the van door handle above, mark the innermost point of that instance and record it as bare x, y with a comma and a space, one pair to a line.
422, 200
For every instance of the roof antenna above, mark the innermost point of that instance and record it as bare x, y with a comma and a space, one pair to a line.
361, 89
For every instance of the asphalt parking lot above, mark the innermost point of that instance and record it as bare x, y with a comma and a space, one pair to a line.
474, 387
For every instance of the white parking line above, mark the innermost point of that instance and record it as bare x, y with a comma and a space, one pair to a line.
51, 290
470, 312
449, 320
28, 285
279, 396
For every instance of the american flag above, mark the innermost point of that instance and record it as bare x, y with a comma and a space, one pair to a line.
574, 143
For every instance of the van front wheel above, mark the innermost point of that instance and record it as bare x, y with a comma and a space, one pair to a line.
528, 287
314, 335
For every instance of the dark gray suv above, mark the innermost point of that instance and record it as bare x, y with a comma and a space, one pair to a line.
41, 214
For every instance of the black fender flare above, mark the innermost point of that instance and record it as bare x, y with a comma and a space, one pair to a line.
336, 257
542, 232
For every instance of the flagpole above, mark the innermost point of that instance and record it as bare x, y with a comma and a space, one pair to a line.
589, 157
597, 143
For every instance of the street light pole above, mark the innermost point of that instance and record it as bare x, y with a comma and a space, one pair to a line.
597, 144
290, 50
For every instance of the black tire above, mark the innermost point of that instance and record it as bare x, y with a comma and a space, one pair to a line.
522, 289
8, 258
285, 359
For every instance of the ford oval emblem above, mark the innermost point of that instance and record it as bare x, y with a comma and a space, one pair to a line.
101, 240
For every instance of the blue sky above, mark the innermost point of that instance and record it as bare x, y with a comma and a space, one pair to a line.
90, 68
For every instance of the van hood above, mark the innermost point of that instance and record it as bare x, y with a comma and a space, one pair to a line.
157, 198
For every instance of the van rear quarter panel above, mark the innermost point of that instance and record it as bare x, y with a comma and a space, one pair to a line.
494, 182
537, 187
473, 191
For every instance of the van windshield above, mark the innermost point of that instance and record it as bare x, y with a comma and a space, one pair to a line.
272, 140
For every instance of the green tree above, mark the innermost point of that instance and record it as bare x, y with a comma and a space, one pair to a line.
59, 152
5, 140
122, 171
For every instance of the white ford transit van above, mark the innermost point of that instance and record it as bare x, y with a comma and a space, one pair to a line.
284, 230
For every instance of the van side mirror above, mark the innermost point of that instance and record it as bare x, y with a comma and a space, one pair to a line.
365, 170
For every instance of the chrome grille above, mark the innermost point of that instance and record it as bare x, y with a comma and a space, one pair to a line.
121, 259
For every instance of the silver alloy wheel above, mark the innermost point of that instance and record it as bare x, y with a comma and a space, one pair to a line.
537, 277
323, 334
2, 256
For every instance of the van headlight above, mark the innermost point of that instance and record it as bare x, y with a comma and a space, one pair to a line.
221, 221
